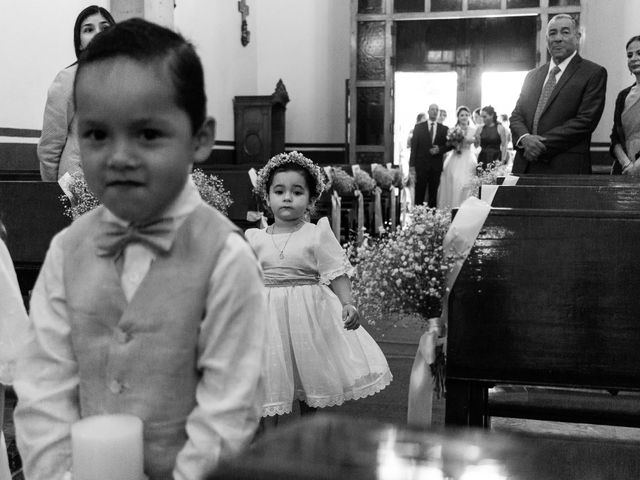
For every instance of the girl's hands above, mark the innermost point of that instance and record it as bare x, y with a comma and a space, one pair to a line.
350, 316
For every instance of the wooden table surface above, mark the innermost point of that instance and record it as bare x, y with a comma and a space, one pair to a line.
335, 447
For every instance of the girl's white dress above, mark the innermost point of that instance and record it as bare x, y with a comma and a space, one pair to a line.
458, 172
311, 357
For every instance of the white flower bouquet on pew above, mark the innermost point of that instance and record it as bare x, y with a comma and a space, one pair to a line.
487, 176
403, 273
80, 199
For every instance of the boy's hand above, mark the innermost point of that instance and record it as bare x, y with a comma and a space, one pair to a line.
350, 316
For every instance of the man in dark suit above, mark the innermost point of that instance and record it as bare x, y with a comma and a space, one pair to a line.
559, 107
428, 145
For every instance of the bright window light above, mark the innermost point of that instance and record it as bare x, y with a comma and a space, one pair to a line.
501, 90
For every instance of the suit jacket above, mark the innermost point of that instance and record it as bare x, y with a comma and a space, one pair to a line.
618, 136
421, 142
567, 121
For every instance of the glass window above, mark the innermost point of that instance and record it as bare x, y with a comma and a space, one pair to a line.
446, 5
564, 3
370, 51
370, 157
501, 90
400, 6
523, 3
370, 6
370, 118
484, 4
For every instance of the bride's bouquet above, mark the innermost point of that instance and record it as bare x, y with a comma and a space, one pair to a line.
455, 138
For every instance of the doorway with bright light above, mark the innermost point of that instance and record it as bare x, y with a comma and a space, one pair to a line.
415, 91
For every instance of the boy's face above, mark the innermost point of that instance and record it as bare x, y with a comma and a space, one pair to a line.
136, 144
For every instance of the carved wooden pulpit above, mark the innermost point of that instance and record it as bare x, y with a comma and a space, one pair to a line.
260, 125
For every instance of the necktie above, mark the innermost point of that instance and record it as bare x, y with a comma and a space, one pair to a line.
544, 97
114, 237
432, 132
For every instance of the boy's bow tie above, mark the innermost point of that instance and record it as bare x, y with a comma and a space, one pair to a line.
114, 237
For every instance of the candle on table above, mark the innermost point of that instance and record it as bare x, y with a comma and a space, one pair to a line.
107, 447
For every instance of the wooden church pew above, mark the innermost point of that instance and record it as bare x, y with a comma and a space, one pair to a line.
548, 298
578, 197
574, 180
32, 214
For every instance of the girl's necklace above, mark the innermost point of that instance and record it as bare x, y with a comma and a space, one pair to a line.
281, 250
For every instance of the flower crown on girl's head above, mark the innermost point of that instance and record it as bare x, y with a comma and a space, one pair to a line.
291, 158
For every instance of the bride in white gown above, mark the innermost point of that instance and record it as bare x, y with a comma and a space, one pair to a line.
459, 166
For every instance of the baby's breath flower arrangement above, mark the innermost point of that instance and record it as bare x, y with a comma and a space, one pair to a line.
211, 190
342, 182
364, 182
383, 176
487, 176
83, 199
403, 271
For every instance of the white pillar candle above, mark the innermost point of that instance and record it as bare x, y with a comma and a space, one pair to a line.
107, 447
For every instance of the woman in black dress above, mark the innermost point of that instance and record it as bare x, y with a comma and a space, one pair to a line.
492, 138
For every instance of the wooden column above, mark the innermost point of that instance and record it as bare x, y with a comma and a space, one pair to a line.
157, 11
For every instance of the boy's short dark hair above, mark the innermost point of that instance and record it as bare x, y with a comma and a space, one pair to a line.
146, 42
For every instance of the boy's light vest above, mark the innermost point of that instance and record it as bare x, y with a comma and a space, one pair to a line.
140, 358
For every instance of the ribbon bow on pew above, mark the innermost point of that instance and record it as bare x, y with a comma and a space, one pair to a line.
461, 236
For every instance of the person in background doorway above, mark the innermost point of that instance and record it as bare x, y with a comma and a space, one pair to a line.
503, 118
428, 146
419, 119
491, 136
58, 150
559, 107
442, 116
476, 117
459, 165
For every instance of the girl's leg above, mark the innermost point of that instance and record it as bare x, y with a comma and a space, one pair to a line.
306, 409
267, 424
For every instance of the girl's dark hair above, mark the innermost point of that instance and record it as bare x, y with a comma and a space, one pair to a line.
146, 42
635, 38
87, 12
489, 110
294, 167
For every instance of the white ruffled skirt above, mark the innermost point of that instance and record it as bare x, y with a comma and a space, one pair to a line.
311, 357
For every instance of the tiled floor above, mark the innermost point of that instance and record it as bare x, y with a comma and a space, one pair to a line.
390, 405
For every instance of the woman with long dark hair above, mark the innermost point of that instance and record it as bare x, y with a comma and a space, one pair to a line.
625, 135
492, 138
58, 150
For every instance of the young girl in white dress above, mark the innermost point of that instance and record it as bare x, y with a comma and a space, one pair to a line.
318, 354
459, 166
